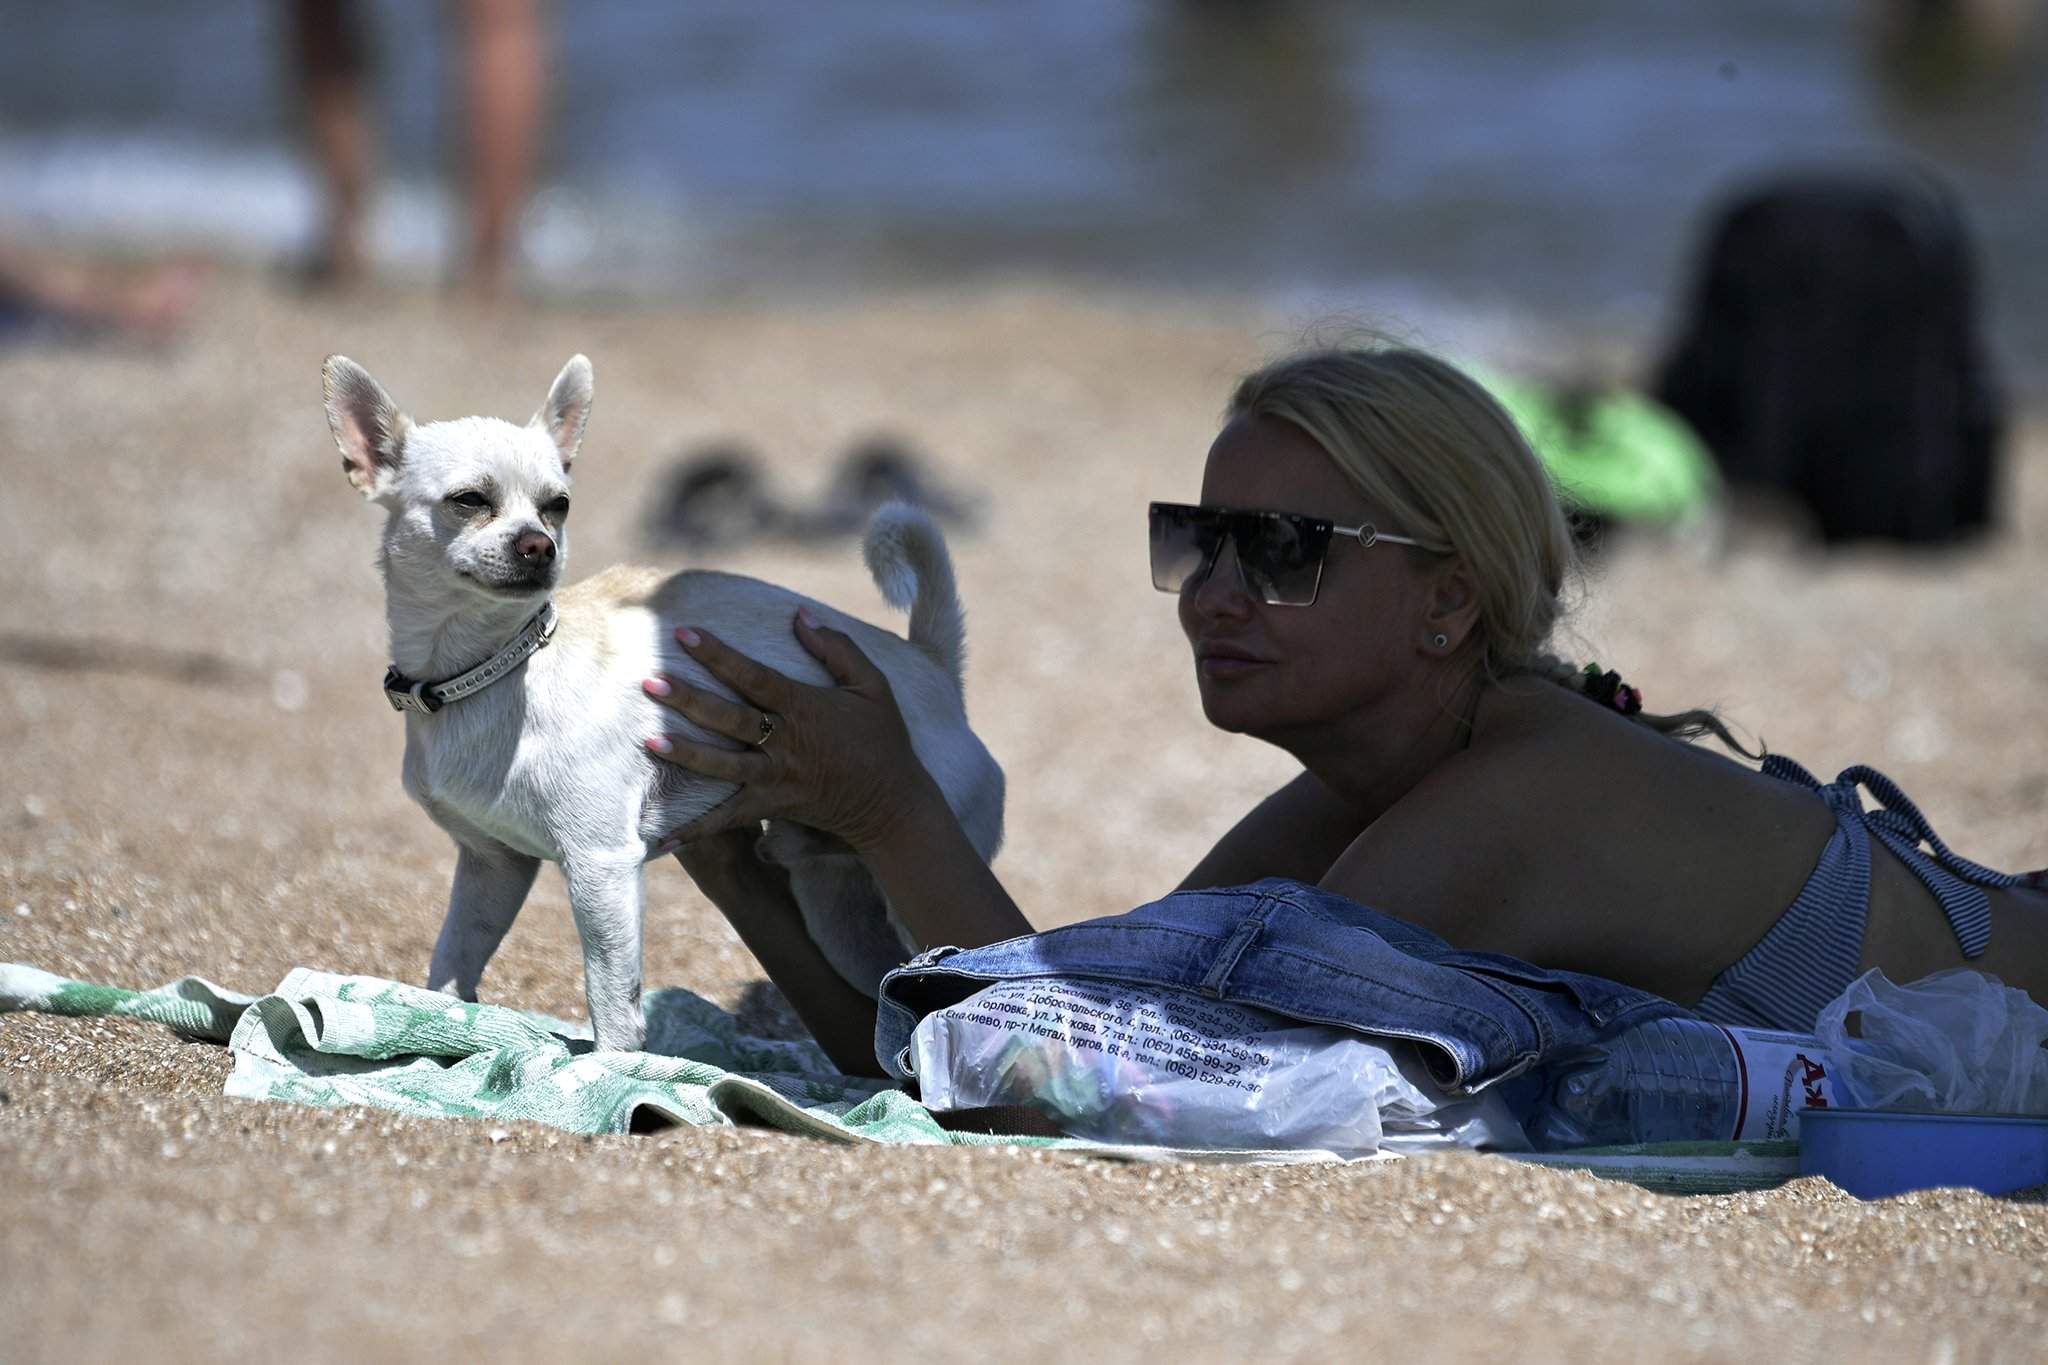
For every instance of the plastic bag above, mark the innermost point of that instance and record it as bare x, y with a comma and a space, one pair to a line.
1167, 1068
1957, 1042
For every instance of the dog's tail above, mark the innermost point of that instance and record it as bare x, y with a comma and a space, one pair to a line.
907, 556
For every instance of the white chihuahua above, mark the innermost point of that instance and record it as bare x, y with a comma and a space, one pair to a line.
525, 722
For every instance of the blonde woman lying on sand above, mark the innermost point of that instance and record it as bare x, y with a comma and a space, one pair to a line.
1370, 583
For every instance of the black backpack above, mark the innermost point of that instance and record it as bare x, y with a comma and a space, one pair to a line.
1833, 351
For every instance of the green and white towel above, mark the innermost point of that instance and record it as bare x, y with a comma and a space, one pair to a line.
325, 1039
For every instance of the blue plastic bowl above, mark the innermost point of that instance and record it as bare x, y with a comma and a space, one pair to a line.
1872, 1153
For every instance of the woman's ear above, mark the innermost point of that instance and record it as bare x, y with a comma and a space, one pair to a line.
1453, 608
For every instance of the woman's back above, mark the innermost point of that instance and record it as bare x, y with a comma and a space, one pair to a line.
1570, 835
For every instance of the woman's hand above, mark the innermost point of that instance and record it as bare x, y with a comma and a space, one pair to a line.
838, 759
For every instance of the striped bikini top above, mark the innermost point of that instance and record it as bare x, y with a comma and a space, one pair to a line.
1809, 957
1898, 824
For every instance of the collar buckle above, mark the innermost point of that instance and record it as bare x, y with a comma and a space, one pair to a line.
406, 695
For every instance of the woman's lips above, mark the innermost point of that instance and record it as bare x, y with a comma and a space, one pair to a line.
1227, 661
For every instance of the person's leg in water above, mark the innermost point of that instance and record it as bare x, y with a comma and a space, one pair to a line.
328, 52
502, 54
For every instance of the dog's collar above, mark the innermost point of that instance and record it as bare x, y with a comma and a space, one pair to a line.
404, 694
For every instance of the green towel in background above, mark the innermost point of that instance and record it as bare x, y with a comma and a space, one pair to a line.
1614, 452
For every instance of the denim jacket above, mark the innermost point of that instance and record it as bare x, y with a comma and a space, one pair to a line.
1304, 953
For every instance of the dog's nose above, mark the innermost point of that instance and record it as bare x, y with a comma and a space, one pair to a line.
535, 547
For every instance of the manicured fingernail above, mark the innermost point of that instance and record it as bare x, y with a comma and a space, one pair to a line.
803, 614
690, 638
657, 687
659, 743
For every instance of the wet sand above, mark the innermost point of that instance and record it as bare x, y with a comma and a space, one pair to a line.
201, 777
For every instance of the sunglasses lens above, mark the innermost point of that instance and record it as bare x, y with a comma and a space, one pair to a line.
1184, 541
1282, 557
1279, 556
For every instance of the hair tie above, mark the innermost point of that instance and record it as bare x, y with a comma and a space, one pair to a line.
1609, 690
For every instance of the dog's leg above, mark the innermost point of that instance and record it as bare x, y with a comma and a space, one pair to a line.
605, 894
489, 889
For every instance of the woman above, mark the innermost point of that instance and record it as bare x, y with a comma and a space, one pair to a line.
1369, 583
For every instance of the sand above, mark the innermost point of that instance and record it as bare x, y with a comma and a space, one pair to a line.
201, 777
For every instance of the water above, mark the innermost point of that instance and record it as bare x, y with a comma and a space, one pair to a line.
1551, 160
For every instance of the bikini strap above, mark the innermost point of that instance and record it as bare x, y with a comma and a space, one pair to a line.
1955, 881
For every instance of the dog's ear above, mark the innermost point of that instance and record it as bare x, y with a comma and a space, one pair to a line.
367, 425
567, 409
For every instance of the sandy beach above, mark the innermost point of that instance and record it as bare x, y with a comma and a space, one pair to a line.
201, 777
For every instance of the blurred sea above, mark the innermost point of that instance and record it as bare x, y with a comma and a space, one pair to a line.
1546, 163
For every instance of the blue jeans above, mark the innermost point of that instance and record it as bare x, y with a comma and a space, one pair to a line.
1304, 953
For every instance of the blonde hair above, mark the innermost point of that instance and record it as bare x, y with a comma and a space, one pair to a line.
1427, 442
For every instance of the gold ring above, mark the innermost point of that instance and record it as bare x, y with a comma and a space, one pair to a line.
767, 729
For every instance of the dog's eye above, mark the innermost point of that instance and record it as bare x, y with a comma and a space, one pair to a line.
559, 508
476, 502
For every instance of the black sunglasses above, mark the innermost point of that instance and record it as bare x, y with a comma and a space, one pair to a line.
1279, 554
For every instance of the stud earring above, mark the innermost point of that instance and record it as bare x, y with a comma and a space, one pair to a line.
1441, 640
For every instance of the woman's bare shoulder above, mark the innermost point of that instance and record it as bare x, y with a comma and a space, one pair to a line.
1534, 749
1557, 831
1445, 853
1550, 792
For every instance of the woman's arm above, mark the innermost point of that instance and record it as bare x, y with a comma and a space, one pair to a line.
755, 899
936, 882
1298, 832
839, 760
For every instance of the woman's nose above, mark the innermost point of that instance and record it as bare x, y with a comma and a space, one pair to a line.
1222, 590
